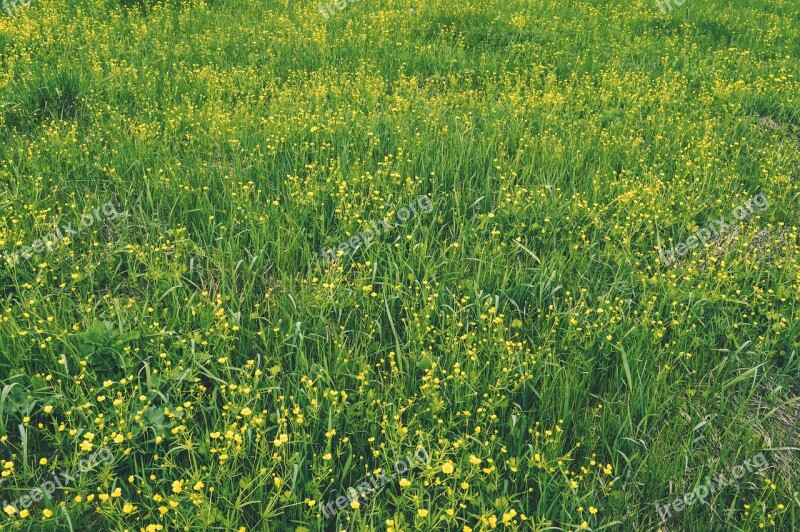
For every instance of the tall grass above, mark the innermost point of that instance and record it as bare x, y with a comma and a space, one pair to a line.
525, 332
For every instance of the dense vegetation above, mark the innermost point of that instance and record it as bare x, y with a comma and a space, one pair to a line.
179, 349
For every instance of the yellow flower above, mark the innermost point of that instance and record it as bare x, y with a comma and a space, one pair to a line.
246, 411
327, 456
474, 460
177, 486
509, 516
128, 508
404, 483
355, 505
43, 461
47, 513
48, 409
24, 513
422, 512
199, 485
592, 510
584, 525
447, 468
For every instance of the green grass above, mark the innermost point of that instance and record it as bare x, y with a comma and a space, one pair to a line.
527, 321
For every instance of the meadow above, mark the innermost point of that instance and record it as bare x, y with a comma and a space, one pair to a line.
190, 356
